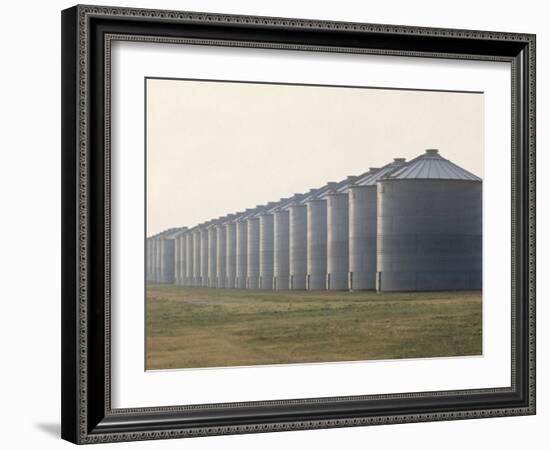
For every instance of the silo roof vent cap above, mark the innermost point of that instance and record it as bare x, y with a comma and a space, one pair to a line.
401, 160
432, 151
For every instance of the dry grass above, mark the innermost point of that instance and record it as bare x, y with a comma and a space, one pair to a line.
198, 327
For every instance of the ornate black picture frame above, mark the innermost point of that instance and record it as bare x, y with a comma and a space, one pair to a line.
87, 34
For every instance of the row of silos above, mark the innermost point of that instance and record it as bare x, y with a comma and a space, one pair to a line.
164, 258
404, 226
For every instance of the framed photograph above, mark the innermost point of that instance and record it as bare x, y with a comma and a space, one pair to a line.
276, 224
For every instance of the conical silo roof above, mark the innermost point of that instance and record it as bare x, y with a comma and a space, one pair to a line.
169, 232
373, 175
309, 195
245, 214
431, 166
291, 201
175, 232
328, 188
259, 210
275, 206
344, 185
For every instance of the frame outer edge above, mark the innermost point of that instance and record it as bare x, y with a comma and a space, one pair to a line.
75, 184
69, 290
298, 23
532, 282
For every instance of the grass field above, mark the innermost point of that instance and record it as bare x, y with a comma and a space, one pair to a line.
198, 327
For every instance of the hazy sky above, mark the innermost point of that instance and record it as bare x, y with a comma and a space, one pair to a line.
215, 148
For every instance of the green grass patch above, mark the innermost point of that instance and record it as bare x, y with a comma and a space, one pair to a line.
201, 327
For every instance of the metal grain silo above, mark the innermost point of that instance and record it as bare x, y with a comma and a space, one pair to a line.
281, 243
159, 260
212, 255
221, 254
362, 227
151, 256
157, 264
152, 267
317, 239
316, 244
338, 236
297, 217
189, 258
179, 256
154, 263
429, 227
253, 250
266, 250
148, 256
167, 255
253, 253
281, 267
241, 249
196, 257
231, 253
297, 248
183, 253
156, 259
204, 254
177, 261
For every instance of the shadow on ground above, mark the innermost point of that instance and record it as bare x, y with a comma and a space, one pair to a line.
53, 429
